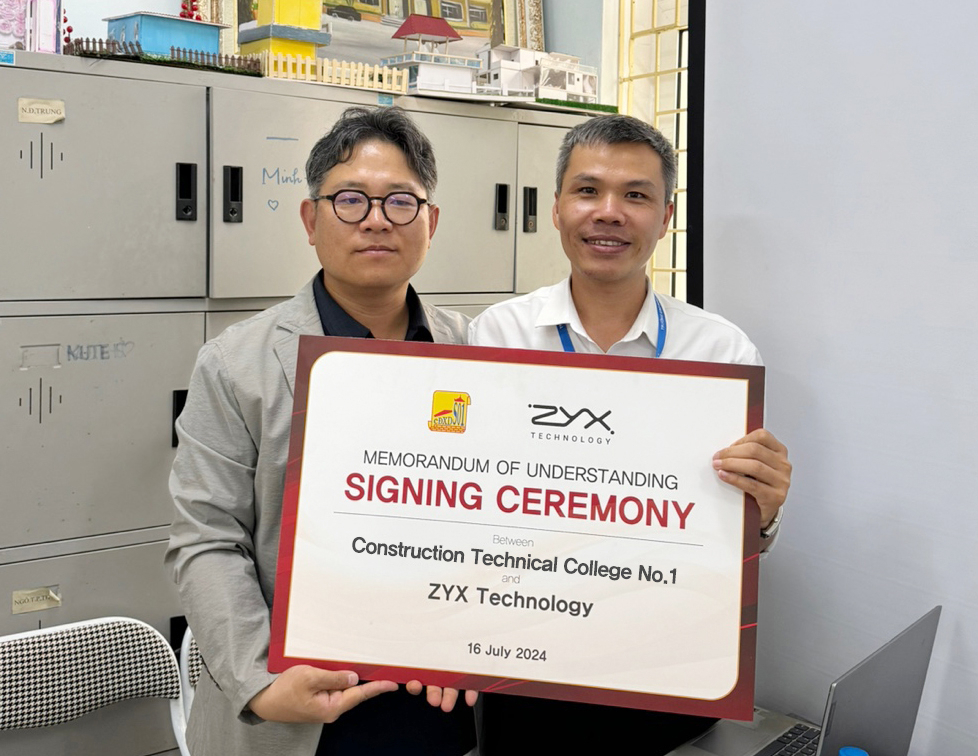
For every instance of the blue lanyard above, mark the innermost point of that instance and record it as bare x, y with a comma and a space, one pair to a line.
565, 339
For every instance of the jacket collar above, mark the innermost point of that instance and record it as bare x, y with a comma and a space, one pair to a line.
298, 316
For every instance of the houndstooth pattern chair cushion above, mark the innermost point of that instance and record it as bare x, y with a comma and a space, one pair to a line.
194, 663
52, 676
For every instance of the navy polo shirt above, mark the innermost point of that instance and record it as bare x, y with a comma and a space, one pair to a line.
338, 322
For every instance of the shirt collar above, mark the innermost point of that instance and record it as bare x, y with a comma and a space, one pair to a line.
338, 322
559, 308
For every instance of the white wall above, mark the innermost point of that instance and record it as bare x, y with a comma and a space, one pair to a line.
841, 232
589, 30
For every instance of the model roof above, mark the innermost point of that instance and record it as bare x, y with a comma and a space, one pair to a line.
421, 28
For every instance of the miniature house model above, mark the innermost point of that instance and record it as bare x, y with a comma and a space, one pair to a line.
518, 72
562, 77
509, 71
429, 69
156, 33
287, 27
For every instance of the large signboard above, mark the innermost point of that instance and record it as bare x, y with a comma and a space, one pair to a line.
545, 524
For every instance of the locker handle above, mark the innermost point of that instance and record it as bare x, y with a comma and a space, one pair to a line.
501, 220
179, 400
529, 209
233, 194
186, 191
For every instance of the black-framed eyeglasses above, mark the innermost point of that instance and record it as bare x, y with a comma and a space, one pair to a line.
353, 206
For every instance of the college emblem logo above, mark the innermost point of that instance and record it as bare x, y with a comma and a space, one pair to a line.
448, 411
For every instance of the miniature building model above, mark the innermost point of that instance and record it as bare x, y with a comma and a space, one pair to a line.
509, 71
289, 27
518, 72
156, 33
427, 68
562, 77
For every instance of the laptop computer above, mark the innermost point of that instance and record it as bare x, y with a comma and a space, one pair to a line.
873, 706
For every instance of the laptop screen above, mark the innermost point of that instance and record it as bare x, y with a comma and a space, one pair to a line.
874, 705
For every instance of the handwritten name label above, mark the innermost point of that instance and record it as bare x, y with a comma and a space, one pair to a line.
88, 352
281, 176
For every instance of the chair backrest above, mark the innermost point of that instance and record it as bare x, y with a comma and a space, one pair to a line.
56, 674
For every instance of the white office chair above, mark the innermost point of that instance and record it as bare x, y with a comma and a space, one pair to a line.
56, 674
191, 665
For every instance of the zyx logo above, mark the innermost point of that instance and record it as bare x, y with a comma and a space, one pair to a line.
555, 416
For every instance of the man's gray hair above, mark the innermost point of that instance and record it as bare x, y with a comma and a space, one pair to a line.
619, 129
358, 125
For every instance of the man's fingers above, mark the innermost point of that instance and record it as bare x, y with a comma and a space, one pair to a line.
324, 679
307, 694
448, 698
759, 470
765, 438
443, 698
752, 451
434, 695
339, 702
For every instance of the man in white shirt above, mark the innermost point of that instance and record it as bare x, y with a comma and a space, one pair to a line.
615, 180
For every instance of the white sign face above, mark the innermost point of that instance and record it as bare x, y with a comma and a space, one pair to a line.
518, 521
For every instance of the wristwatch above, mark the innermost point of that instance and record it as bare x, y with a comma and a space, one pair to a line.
772, 528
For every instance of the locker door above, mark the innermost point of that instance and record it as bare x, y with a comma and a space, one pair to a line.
259, 145
476, 177
86, 408
540, 260
128, 581
90, 205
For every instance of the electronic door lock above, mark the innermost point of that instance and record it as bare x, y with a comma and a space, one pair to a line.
501, 218
233, 194
529, 209
186, 191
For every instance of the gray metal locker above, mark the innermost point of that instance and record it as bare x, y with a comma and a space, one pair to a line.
127, 581
260, 143
540, 259
86, 407
90, 204
471, 252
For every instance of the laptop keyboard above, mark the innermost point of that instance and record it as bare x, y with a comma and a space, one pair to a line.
800, 740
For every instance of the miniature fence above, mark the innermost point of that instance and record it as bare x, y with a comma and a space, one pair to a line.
85, 46
335, 72
215, 60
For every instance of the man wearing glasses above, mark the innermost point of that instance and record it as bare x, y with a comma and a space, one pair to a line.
370, 218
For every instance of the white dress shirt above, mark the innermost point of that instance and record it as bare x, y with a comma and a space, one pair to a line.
530, 322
